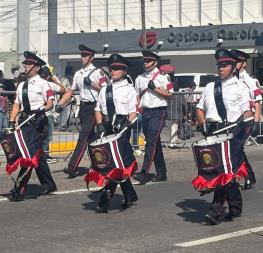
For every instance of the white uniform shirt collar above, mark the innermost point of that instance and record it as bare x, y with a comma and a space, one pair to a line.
88, 68
243, 74
120, 83
230, 81
151, 73
34, 79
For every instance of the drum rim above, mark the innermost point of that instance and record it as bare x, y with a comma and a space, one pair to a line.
114, 137
229, 137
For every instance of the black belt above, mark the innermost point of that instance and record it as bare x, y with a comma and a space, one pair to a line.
88, 103
161, 108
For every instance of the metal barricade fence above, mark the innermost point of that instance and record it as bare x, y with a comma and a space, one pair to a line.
181, 128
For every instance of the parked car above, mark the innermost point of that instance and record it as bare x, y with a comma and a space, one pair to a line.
185, 80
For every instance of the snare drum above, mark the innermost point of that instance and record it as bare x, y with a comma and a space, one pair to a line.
218, 160
111, 157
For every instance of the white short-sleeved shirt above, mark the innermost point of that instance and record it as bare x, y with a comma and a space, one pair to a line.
39, 92
253, 85
236, 99
124, 98
88, 94
151, 99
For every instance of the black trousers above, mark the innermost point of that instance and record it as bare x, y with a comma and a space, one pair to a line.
109, 190
229, 193
251, 175
153, 121
42, 171
87, 122
128, 191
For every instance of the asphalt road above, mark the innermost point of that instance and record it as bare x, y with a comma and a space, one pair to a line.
167, 215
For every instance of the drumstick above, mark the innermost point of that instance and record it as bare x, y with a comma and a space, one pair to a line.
68, 103
24, 122
124, 129
101, 137
231, 126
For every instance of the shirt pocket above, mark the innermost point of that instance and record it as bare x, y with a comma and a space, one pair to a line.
121, 105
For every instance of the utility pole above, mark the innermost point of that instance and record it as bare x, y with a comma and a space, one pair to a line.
23, 17
143, 23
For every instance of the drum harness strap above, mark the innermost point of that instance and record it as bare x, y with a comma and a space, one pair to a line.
221, 109
25, 99
115, 120
112, 117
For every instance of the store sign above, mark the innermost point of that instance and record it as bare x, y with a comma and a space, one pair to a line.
150, 39
180, 38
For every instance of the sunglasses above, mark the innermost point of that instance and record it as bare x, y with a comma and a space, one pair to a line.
148, 60
28, 63
85, 55
115, 68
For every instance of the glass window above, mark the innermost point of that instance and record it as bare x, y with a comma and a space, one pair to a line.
183, 82
205, 79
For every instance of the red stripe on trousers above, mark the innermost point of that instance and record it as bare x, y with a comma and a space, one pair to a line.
226, 145
19, 134
117, 154
158, 134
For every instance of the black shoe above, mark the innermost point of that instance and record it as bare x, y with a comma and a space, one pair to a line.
249, 182
231, 217
100, 209
48, 190
126, 204
71, 173
212, 220
160, 178
141, 177
15, 196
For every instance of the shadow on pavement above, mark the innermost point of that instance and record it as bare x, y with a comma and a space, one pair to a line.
115, 203
32, 192
194, 210
80, 171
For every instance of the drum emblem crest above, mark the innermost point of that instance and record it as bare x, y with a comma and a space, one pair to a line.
100, 158
207, 157
9, 149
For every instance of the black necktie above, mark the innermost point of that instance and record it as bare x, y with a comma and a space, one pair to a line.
25, 99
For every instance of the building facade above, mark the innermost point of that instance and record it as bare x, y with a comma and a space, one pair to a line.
185, 33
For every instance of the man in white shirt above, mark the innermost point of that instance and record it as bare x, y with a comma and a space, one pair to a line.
31, 96
222, 102
255, 94
153, 91
88, 81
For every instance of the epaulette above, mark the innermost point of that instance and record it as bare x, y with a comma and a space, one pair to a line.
252, 76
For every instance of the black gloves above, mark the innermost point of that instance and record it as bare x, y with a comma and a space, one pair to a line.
58, 108
255, 129
151, 85
87, 81
204, 130
239, 129
128, 124
11, 125
101, 129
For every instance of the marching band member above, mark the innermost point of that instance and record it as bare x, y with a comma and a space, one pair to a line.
153, 90
255, 95
115, 109
88, 80
31, 95
223, 102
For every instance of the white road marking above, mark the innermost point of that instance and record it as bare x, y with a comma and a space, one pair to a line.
92, 189
3, 199
219, 237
